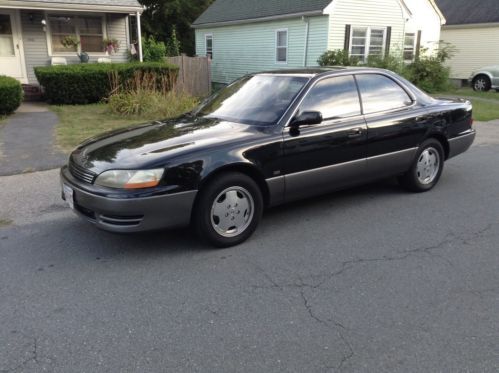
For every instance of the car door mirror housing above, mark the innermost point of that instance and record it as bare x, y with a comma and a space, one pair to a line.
307, 118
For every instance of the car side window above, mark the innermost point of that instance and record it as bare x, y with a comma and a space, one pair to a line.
380, 93
335, 98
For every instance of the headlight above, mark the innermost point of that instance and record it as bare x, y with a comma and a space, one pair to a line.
130, 179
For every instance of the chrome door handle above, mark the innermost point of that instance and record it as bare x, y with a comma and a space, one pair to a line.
356, 132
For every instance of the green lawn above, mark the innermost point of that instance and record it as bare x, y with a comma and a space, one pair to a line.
79, 122
485, 104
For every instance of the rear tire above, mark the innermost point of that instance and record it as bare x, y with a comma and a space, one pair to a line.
228, 210
482, 83
426, 168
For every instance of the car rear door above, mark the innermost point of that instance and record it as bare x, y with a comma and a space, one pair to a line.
329, 156
396, 124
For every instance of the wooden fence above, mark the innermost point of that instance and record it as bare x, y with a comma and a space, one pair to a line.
194, 76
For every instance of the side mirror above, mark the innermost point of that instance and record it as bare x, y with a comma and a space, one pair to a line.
307, 118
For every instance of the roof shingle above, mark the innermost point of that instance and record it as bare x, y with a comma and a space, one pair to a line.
241, 10
462, 12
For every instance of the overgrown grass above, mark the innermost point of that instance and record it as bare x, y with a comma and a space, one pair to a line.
79, 122
485, 104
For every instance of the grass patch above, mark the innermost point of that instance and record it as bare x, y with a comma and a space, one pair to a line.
79, 122
5, 223
485, 104
469, 92
485, 111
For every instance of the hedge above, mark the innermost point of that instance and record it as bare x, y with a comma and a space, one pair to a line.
88, 83
11, 95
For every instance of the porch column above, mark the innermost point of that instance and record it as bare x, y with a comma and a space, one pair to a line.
139, 36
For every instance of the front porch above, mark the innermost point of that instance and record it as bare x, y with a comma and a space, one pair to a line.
35, 33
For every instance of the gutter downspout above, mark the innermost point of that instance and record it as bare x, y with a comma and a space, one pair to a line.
307, 28
139, 36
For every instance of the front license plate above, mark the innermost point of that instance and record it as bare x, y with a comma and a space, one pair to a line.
69, 196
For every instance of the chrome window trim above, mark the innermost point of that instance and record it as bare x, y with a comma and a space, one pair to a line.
301, 96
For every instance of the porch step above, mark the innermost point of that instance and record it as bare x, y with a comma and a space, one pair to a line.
32, 92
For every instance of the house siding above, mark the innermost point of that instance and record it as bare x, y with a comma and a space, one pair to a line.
471, 54
379, 13
36, 48
425, 19
248, 48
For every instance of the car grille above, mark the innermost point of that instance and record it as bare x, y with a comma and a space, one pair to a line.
81, 173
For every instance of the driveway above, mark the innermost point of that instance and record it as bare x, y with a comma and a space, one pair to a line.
372, 279
27, 141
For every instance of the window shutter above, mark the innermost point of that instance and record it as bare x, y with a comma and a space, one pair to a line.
388, 40
418, 44
348, 30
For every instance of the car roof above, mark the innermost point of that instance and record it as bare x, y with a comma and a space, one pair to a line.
316, 71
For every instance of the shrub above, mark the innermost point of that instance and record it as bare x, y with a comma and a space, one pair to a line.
145, 96
153, 51
11, 95
337, 57
390, 62
428, 71
88, 83
151, 104
173, 44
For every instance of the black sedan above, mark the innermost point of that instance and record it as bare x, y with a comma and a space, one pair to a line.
266, 139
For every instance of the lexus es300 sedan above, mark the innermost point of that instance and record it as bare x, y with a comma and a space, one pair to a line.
264, 140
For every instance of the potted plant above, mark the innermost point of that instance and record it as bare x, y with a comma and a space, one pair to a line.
111, 46
72, 42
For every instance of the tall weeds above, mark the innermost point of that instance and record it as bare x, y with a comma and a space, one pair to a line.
148, 95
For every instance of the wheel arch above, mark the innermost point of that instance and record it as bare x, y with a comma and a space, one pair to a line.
442, 140
484, 73
244, 168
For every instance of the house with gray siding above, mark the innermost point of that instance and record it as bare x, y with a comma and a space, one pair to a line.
245, 36
32, 33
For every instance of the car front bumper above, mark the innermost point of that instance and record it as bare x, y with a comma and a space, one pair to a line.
127, 215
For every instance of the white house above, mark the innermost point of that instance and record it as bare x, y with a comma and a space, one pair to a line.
473, 28
31, 32
244, 36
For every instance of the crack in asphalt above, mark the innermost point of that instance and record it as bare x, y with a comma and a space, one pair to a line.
337, 327
301, 285
33, 357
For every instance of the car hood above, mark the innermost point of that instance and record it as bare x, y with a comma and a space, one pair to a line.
151, 144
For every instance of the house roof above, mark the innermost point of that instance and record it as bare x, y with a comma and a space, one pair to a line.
463, 12
125, 5
235, 11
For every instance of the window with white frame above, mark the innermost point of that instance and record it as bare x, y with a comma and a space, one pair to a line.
281, 40
367, 41
88, 31
209, 45
409, 46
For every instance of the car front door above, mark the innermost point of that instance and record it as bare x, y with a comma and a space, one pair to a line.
396, 124
331, 155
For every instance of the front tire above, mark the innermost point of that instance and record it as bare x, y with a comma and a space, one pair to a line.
426, 168
482, 83
228, 210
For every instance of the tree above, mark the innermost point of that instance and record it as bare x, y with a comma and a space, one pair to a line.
163, 18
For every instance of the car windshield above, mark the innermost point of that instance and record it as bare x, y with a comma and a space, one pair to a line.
255, 100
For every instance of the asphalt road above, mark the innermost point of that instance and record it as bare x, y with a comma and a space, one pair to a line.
373, 279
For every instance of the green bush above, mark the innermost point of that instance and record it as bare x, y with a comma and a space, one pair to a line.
428, 71
89, 83
11, 95
390, 62
153, 50
337, 57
